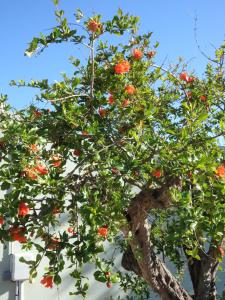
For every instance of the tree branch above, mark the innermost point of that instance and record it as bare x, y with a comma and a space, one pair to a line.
92, 67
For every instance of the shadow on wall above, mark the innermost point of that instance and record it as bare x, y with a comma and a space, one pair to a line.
97, 290
7, 287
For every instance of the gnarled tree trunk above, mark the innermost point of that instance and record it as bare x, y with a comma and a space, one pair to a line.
141, 259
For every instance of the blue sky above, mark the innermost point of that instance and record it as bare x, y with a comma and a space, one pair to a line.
171, 21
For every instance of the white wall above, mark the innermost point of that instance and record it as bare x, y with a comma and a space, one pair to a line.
37, 291
98, 291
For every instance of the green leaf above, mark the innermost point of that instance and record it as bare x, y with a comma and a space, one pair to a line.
56, 2
114, 278
57, 279
79, 15
119, 12
193, 253
5, 185
100, 276
201, 118
220, 268
33, 274
59, 13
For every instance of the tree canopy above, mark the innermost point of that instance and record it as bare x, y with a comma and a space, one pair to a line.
147, 171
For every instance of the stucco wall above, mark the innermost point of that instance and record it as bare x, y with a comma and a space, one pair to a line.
36, 291
97, 291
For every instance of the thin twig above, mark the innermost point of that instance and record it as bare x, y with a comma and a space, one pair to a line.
68, 97
196, 40
92, 67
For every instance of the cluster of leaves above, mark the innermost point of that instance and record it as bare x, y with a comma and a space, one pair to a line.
103, 141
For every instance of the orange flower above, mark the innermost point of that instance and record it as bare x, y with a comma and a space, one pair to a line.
203, 98
125, 103
122, 67
137, 54
102, 112
150, 54
119, 69
57, 160
56, 157
17, 234
157, 173
71, 230
103, 231
2, 221
220, 171
130, 89
93, 25
33, 148
41, 169
111, 100
184, 76
23, 209
126, 65
47, 281
30, 173
57, 164
191, 79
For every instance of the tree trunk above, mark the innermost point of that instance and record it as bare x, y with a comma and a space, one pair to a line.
151, 268
140, 257
203, 274
206, 282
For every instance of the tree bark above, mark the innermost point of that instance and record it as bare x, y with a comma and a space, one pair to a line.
203, 274
206, 284
194, 267
152, 269
142, 259
206, 289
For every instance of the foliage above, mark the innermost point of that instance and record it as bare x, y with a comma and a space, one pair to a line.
121, 129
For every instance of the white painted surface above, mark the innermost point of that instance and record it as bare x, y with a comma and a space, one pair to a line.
97, 291
36, 291
19, 270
